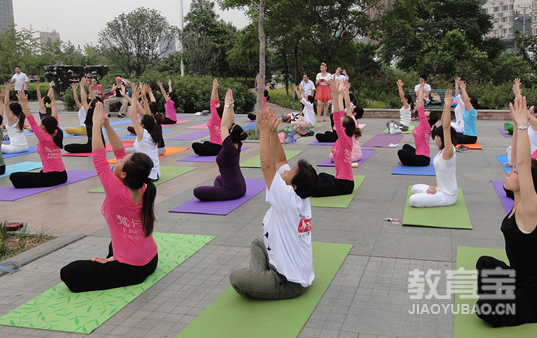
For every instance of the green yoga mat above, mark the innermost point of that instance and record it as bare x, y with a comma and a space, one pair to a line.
255, 162
454, 216
232, 315
409, 131
62, 310
166, 173
341, 201
469, 325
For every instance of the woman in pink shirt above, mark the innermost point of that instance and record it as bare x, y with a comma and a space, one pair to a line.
128, 210
213, 146
343, 182
50, 138
171, 102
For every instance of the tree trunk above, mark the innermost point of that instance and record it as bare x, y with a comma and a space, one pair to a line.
261, 32
286, 75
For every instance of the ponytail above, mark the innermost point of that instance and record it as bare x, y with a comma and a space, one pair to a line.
237, 133
58, 138
16, 109
51, 125
148, 210
154, 129
357, 132
47, 103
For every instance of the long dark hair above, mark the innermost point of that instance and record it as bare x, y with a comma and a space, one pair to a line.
16, 109
137, 171
350, 127
174, 98
410, 101
47, 101
439, 131
51, 125
237, 133
154, 129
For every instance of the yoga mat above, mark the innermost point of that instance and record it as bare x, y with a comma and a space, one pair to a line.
501, 130
361, 125
232, 315
199, 126
409, 131
178, 122
317, 143
118, 123
190, 136
134, 136
341, 201
507, 203
454, 216
418, 171
253, 187
169, 151
503, 159
23, 166
197, 158
469, 325
166, 173
255, 162
107, 147
59, 309
383, 140
31, 150
475, 146
13, 194
317, 125
366, 153
249, 126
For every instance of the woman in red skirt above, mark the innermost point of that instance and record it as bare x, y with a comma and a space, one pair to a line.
323, 94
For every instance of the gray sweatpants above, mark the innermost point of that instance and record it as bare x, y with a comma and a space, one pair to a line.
261, 280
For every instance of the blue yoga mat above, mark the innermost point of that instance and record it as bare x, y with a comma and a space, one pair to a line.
117, 123
417, 171
503, 159
249, 126
31, 150
23, 166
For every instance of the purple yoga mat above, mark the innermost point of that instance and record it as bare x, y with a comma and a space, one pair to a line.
317, 143
191, 136
365, 155
13, 194
199, 126
383, 140
507, 203
253, 187
198, 158
501, 130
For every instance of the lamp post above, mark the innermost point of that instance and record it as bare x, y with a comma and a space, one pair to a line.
182, 28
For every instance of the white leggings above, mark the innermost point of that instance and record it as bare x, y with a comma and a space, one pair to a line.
11, 149
301, 123
420, 198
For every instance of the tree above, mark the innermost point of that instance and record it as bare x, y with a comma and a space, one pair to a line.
133, 40
18, 47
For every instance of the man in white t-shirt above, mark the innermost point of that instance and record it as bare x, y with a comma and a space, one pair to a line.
308, 85
426, 89
20, 80
281, 262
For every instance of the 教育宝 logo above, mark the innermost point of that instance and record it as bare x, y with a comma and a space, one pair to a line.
495, 289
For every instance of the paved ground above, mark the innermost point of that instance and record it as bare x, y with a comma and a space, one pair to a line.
367, 298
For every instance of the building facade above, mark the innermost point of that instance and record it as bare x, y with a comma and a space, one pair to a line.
6, 15
509, 16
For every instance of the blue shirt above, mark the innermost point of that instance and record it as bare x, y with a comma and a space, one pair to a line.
470, 122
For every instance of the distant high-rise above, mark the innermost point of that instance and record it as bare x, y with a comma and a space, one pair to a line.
6, 15
46, 37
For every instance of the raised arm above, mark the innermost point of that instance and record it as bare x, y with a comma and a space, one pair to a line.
516, 87
38, 92
214, 93
265, 119
465, 97
75, 95
526, 213
299, 94
166, 97
419, 96
446, 126
133, 112
169, 86
347, 95
150, 92
99, 118
50, 94
83, 95
400, 85
513, 140
228, 117
457, 81
11, 118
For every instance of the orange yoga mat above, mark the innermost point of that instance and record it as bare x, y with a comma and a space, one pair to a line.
475, 145
169, 151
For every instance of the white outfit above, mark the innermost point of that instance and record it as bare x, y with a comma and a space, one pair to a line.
340, 77
308, 87
148, 147
532, 134
308, 111
287, 231
446, 181
20, 80
82, 116
460, 108
326, 78
18, 142
405, 116
426, 88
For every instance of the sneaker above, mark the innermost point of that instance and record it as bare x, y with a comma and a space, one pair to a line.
121, 115
14, 226
6, 137
462, 149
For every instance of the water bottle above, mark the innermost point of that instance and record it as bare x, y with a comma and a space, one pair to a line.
290, 138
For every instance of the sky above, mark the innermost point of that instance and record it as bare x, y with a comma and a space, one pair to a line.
81, 20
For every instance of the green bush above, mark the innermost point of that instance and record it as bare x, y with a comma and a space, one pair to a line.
194, 92
32, 92
279, 97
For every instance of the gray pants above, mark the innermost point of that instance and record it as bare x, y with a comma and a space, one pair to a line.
261, 280
113, 100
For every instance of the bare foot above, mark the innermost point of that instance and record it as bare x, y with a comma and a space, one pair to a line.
508, 164
400, 163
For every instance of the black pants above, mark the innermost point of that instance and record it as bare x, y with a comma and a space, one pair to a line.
168, 121
252, 116
408, 156
2, 169
87, 275
37, 180
77, 148
206, 148
465, 139
525, 302
328, 185
328, 136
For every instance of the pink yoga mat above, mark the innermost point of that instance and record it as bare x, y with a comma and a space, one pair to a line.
198, 158
507, 203
108, 148
253, 187
190, 136
199, 126
366, 153
383, 140
178, 122
13, 194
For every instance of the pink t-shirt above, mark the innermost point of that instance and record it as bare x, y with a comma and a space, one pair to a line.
265, 102
170, 110
215, 135
123, 215
421, 134
50, 154
342, 150
356, 148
